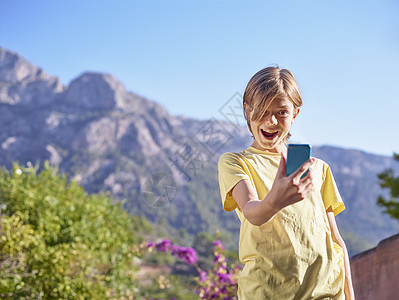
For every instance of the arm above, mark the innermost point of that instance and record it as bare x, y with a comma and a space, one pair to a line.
349, 292
285, 191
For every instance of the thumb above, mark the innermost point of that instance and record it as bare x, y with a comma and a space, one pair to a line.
281, 167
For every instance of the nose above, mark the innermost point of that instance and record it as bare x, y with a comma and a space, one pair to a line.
272, 120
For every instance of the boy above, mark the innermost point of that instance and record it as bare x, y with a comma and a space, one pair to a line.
289, 240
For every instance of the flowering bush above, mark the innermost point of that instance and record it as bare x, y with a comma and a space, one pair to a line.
187, 254
220, 283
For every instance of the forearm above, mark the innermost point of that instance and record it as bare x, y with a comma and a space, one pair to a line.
259, 212
348, 288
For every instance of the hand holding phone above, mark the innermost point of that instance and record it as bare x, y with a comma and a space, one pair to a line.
287, 191
297, 154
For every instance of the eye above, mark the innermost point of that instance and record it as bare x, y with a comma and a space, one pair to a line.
283, 112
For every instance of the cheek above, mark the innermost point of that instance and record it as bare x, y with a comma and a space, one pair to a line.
254, 125
287, 124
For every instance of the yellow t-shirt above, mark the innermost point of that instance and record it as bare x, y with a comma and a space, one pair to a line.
292, 256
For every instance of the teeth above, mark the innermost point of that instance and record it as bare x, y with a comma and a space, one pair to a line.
269, 131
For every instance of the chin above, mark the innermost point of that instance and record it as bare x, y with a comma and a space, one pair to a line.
272, 145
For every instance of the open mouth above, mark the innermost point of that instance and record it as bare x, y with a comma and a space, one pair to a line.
269, 135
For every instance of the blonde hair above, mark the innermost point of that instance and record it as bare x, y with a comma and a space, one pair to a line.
265, 86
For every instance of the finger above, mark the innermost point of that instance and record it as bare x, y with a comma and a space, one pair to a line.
303, 168
308, 178
281, 167
309, 182
305, 190
308, 189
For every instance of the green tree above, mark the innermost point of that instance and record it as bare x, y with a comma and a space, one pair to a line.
389, 181
58, 242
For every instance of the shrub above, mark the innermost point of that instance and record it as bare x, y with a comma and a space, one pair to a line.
56, 241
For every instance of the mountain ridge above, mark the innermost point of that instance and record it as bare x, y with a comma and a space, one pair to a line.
159, 165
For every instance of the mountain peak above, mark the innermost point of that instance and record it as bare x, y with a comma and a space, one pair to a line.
14, 68
24, 83
96, 90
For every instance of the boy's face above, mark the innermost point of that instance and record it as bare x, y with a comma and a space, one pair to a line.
270, 131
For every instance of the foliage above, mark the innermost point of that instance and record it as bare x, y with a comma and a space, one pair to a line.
203, 245
169, 287
389, 181
56, 241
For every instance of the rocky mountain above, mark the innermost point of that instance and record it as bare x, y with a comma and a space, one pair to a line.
156, 164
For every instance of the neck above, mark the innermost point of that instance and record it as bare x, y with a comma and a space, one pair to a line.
280, 148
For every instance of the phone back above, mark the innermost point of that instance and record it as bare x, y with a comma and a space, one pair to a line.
297, 154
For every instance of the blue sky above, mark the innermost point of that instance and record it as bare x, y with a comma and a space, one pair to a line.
191, 56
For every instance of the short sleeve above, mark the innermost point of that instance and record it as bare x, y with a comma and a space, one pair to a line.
330, 193
231, 170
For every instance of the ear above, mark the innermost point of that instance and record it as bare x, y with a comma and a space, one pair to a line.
296, 112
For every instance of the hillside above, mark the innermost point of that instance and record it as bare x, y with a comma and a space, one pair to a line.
159, 165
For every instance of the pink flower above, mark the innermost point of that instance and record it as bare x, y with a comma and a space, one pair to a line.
225, 278
203, 276
219, 259
163, 246
218, 244
187, 254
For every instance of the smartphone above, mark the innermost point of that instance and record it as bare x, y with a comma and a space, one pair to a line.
297, 154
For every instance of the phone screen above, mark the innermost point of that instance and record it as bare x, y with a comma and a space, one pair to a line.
297, 154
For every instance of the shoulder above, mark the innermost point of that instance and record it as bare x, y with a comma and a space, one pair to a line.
230, 157
324, 171
233, 160
321, 168
321, 164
